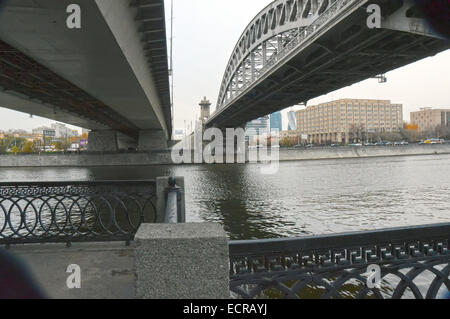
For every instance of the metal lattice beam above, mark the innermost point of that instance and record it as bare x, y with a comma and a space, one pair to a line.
306, 41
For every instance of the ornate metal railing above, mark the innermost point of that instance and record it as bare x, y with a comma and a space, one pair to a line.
414, 262
74, 211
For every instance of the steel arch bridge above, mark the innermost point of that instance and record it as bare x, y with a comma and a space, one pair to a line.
296, 50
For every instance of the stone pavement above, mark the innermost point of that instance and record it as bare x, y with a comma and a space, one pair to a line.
107, 269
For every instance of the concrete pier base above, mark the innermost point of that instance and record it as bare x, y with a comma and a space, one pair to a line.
126, 143
103, 141
182, 261
152, 140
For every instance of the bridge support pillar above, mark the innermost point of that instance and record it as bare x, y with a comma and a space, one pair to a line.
152, 140
103, 141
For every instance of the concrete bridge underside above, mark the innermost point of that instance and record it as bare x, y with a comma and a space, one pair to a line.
335, 54
110, 76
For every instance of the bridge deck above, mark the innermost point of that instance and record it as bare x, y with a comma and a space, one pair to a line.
112, 73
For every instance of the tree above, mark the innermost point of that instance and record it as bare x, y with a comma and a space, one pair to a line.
357, 132
28, 147
3, 146
58, 146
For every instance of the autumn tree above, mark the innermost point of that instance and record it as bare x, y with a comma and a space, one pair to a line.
28, 147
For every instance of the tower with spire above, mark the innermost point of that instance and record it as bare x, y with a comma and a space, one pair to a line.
205, 111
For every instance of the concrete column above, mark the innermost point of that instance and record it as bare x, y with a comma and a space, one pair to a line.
152, 140
182, 261
103, 141
125, 142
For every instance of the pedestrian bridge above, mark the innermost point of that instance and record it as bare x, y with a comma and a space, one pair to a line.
296, 50
109, 75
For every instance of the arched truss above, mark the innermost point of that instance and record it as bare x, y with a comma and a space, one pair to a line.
267, 34
284, 24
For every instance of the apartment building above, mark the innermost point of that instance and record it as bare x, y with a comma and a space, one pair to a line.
428, 119
349, 119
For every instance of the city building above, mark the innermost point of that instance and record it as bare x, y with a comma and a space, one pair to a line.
429, 119
347, 120
276, 122
292, 121
289, 134
84, 134
39, 131
75, 133
257, 128
18, 132
289, 138
62, 131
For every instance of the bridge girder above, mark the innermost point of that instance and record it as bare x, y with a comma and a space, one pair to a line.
110, 74
278, 36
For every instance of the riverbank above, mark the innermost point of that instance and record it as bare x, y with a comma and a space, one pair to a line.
322, 153
164, 157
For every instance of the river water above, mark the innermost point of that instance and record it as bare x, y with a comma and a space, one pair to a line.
303, 198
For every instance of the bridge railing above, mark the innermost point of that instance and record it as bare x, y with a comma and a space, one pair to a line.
407, 262
66, 212
336, 8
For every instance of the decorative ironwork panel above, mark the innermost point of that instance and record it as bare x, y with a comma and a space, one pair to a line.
413, 262
74, 211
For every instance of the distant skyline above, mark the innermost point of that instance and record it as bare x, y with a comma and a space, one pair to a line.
204, 37
12, 120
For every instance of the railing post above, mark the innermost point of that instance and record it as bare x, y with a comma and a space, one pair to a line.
182, 261
170, 203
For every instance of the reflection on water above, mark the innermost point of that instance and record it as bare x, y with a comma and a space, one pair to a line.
304, 198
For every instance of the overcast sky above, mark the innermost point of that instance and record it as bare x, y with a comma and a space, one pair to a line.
205, 33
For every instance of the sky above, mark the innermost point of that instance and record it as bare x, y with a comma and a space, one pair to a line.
205, 33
